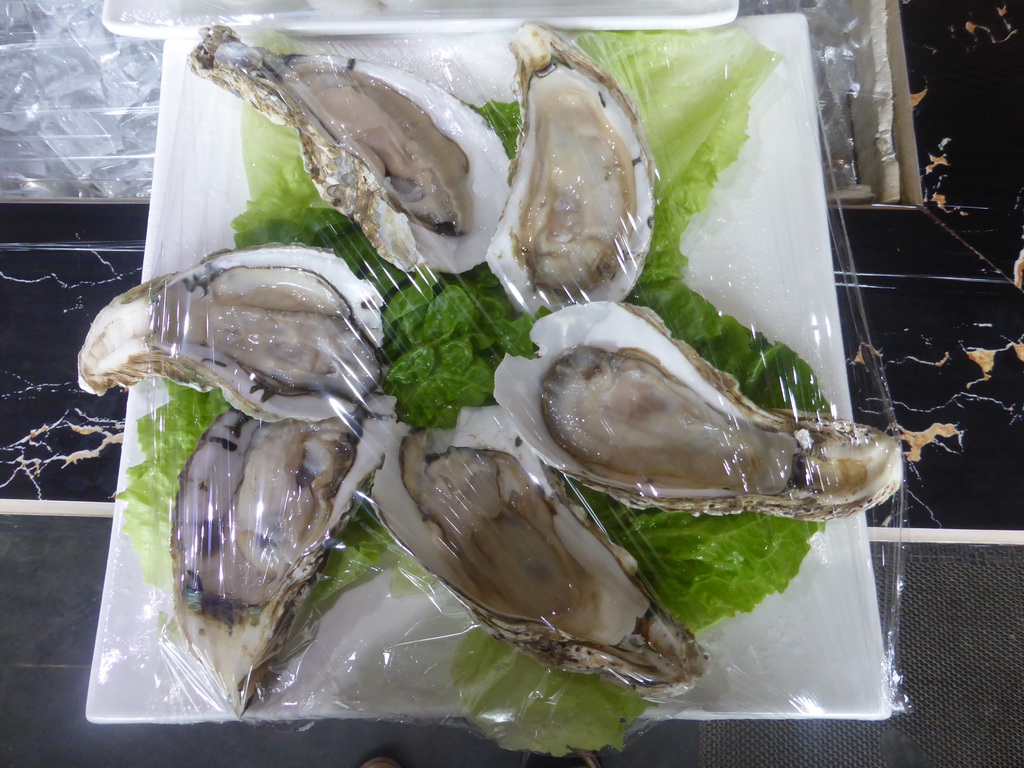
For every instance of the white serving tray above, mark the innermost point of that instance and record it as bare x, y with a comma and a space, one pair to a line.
761, 251
181, 18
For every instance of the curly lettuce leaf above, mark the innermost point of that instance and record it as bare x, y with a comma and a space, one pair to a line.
523, 704
693, 91
705, 568
710, 568
167, 438
445, 342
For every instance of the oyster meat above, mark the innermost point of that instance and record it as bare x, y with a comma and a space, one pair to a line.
256, 506
284, 331
578, 221
480, 512
614, 401
419, 171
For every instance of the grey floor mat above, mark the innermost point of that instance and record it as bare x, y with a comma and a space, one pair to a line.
961, 653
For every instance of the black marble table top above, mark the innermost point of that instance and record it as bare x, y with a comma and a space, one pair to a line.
947, 333
59, 265
949, 337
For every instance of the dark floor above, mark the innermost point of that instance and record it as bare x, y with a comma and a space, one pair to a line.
52, 569
960, 602
963, 678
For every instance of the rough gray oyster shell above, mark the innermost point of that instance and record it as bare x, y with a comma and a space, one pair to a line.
419, 171
614, 401
283, 331
479, 511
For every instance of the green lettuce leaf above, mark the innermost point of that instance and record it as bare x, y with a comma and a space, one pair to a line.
705, 568
523, 704
167, 438
692, 90
445, 342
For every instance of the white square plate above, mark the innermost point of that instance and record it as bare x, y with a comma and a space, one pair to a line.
181, 18
761, 251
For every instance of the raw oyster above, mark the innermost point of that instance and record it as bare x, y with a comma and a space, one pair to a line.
480, 512
284, 331
614, 401
577, 225
256, 506
421, 172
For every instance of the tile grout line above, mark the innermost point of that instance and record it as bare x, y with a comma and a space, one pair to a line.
878, 534
48, 666
56, 508
945, 536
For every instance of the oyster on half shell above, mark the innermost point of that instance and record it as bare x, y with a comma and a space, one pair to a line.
614, 401
256, 506
479, 510
579, 217
419, 171
284, 331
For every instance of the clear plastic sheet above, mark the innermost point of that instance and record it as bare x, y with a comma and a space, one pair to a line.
374, 619
857, 92
78, 106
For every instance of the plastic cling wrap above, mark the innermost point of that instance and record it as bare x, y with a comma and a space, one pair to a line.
548, 434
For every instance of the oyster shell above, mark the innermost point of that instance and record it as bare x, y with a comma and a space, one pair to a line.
419, 171
284, 331
256, 506
616, 402
578, 221
480, 512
